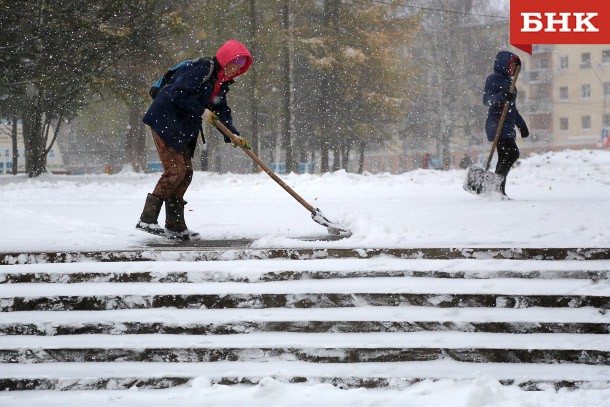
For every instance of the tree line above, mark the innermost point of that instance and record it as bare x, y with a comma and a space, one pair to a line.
330, 77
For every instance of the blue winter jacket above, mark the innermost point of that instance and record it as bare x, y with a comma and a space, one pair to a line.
496, 85
175, 114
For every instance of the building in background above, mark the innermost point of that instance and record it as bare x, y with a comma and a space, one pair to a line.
535, 102
581, 94
568, 95
55, 163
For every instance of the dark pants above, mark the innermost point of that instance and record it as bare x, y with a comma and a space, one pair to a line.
508, 154
178, 171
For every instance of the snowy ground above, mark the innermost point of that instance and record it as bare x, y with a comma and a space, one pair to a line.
558, 200
271, 393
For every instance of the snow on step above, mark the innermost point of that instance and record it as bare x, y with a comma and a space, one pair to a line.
437, 369
242, 270
425, 340
388, 285
435, 351
364, 313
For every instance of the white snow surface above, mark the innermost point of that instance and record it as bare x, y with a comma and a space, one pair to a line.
558, 200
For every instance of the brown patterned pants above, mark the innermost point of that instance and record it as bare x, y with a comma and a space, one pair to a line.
177, 171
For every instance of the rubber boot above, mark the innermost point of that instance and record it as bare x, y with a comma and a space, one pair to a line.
150, 214
503, 189
175, 225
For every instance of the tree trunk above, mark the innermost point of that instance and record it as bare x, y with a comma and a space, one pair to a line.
345, 156
135, 140
446, 156
324, 157
253, 74
218, 162
291, 165
14, 146
362, 147
33, 137
336, 158
204, 160
329, 89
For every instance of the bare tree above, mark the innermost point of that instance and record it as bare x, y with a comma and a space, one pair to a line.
53, 51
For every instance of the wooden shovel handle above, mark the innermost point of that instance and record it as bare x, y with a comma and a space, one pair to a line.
501, 123
264, 167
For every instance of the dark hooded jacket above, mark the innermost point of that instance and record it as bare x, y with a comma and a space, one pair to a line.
175, 114
496, 85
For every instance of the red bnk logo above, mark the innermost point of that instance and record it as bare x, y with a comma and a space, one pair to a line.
559, 22
534, 22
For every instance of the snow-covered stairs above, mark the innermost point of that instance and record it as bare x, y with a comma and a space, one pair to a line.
351, 320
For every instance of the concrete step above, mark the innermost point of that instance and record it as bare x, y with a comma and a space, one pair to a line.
262, 301
138, 328
308, 320
144, 375
349, 321
321, 348
322, 293
202, 251
286, 270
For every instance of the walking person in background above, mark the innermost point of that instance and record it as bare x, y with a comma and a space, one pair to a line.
495, 95
175, 120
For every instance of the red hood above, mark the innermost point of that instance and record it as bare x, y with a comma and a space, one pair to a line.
231, 50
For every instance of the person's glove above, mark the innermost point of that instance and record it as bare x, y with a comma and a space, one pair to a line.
211, 118
524, 131
508, 96
243, 143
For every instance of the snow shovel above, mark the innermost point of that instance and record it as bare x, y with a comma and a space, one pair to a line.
316, 214
478, 180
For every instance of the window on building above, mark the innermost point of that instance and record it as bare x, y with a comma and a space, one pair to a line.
544, 63
607, 89
563, 62
586, 91
563, 123
586, 122
606, 56
534, 76
585, 60
563, 93
607, 120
